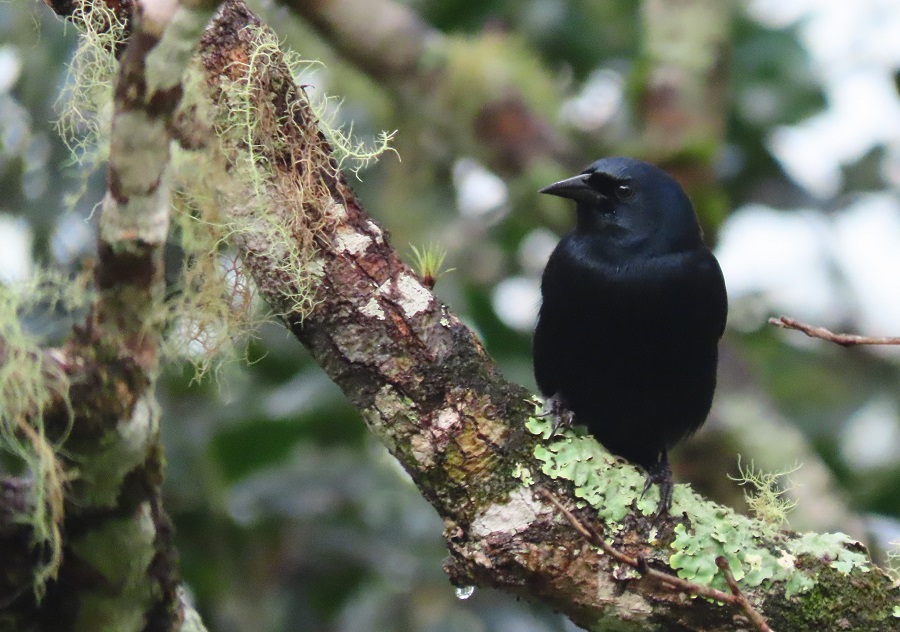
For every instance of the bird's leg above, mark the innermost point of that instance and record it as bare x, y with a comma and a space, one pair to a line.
661, 474
562, 417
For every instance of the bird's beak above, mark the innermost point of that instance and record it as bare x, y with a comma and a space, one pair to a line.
575, 188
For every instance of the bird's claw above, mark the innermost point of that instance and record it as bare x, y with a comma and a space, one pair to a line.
661, 474
563, 418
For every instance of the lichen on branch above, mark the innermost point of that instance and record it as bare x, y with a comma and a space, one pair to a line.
30, 384
226, 149
424, 385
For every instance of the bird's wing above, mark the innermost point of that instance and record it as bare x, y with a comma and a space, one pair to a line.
546, 358
687, 286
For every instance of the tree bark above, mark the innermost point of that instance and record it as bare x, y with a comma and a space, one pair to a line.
425, 386
472, 441
108, 562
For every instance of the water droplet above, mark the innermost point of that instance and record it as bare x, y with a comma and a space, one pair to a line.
464, 592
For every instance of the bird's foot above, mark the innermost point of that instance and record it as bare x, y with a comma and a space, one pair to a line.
563, 418
661, 474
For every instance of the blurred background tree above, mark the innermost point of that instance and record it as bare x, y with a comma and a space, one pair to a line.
289, 516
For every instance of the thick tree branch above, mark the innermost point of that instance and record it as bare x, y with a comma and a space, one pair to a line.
425, 386
118, 566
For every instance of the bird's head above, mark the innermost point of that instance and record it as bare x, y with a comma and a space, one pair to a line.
632, 206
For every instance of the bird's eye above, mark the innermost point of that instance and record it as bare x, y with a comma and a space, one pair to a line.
624, 191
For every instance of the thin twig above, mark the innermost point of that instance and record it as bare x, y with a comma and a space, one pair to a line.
671, 582
744, 604
845, 340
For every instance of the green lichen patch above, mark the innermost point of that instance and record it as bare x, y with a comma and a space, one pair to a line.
119, 552
522, 473
605, 482
540, 423
728, 535
757, 554
120, 451
835, 547
103, 547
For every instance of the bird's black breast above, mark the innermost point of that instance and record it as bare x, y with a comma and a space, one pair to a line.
631, 346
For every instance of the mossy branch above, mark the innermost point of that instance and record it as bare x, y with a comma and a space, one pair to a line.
83, 418
475, 448
470, 440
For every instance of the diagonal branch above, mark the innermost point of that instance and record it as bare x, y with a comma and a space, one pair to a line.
470, 440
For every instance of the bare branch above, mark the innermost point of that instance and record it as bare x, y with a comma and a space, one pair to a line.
757, 619
845, 340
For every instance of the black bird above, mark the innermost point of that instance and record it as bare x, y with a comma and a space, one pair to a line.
633, 308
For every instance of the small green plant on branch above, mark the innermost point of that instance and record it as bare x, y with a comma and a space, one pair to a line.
428, 262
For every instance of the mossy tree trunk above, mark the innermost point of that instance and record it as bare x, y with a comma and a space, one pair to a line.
471, 440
